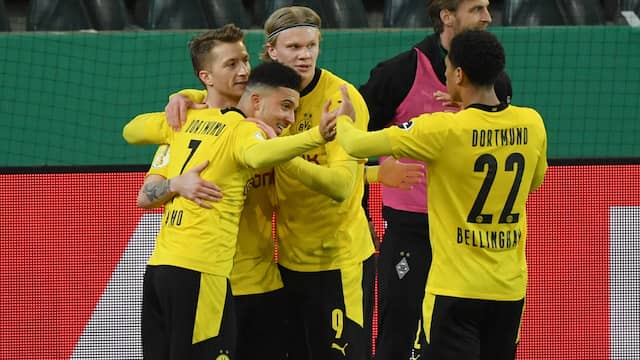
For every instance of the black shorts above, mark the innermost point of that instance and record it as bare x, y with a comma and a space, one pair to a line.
261, 326
186, 315
330, 312
459, 328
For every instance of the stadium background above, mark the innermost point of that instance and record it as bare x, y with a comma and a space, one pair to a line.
73, 245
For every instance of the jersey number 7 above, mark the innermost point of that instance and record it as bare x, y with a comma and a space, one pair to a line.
506, 217
193, 145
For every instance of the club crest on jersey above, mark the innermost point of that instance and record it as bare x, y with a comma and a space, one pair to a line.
406, 125
305, 124
259, 136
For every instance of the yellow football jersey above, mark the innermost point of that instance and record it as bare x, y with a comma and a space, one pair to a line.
316, 233
205, 239
254, 268
483, 162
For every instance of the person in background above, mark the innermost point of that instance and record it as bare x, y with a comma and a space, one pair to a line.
405, 86
483, 162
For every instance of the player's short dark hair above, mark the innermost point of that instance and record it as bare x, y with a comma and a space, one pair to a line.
201, 45
273, 74
480, 55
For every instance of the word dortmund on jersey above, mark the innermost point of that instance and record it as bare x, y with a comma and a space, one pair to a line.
316, 233
205, 239
483, 162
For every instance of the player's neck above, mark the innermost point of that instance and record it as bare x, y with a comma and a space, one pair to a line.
445, 38
219, 101
479, 95
244, 105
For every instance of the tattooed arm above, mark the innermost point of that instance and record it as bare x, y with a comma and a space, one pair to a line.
157, 189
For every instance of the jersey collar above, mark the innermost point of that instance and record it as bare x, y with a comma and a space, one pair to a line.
226, 110
488, 108
313, 83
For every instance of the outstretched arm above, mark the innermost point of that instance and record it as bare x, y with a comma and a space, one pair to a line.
362, 144
288, 147
268, 153
336, 179
326, 180
391, 173
349, 137
149, 128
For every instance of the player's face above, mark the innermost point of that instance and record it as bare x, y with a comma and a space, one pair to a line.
229, 71
277, 108
451, 74
297, 48
471, 15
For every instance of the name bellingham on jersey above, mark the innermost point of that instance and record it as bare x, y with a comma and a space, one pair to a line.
497, 240
483, 162
489, 239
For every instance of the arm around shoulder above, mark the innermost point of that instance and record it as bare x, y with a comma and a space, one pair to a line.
195, 95
149, 128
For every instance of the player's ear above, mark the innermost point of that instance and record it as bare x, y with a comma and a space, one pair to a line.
256, 101
272, 52
205, 77
459, 75
446, 17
